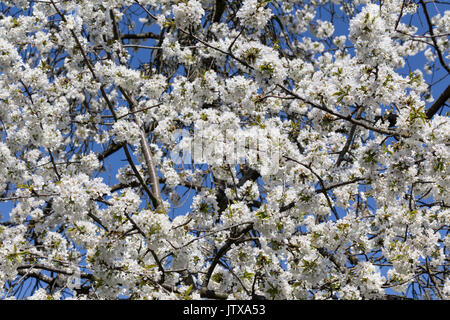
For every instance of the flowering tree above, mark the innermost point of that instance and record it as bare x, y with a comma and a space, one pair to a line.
324, 166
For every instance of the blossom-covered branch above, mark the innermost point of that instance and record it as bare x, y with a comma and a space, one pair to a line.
224, 149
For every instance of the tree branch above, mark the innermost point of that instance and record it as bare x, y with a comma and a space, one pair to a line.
340, 116
223, 250
154, 180
439, 103
153, 198
218, 10
155, 257
433, 38
145, 35
112, 148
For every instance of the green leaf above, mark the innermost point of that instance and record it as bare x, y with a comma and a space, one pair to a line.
248, 275
189, 290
